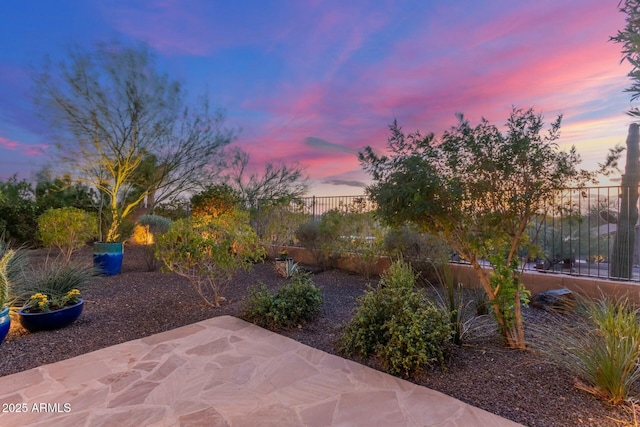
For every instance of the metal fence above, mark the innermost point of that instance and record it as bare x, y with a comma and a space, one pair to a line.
575, 235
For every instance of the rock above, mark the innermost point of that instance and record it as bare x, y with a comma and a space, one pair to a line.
560, 300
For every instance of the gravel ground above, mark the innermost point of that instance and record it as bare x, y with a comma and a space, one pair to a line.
518, 385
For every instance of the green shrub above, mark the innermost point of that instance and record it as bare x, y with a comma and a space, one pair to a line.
601, 347
311, 238
277, 223
67, 229
214, 201
157, 224
292, 304
396, 323
209, 250
18, 210
414, 339
354, 233
423, 251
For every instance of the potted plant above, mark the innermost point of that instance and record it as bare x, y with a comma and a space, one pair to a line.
108, 253
51, 295
12, 262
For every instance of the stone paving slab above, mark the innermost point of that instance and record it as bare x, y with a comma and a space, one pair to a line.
223, 372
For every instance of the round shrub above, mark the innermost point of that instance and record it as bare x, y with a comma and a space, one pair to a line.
398, 325
292, 304
157, 224
67, 229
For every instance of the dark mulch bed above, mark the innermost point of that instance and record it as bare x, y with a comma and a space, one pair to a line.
518, 385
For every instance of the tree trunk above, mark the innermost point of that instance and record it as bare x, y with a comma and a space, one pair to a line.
624, 242
513, 336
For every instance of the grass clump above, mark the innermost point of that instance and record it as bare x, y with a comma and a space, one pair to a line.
53, 279
291, 305
398, 325
601, 347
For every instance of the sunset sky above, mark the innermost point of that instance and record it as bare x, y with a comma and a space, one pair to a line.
315, 81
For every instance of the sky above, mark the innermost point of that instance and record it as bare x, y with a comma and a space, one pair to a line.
315, 81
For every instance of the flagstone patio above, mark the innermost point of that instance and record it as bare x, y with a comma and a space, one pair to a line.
223, 372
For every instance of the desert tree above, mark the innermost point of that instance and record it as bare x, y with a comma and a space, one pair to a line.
277, 182
125, 128
629, 38
478, 189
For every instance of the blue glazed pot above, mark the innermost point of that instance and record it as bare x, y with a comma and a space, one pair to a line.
5, 323
107, 257
49, 320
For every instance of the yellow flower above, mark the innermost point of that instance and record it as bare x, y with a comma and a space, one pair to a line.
73, 293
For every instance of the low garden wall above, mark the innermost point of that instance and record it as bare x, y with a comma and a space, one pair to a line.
346, 262
538, 282
462, 273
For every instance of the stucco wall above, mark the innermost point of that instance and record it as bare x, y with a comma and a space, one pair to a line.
534, 281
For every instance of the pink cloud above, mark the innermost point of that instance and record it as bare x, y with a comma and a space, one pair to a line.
30, 150
8, 144
553, 56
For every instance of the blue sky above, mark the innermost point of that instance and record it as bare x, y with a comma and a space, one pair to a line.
314, 81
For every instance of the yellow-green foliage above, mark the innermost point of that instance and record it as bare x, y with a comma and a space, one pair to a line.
67, 229
209, 250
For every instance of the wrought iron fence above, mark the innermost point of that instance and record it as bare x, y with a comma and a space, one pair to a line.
285, 217
583, 232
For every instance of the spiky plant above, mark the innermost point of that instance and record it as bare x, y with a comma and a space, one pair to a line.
601, 346
53, 279
12, 264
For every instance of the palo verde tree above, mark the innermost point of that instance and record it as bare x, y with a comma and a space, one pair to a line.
115, 116
477, 188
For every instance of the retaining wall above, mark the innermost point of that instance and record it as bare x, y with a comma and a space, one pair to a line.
534, 281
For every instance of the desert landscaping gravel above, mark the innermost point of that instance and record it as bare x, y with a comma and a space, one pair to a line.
518, 385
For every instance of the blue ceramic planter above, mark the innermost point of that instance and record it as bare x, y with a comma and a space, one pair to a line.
107, 257
49, 320
5, 323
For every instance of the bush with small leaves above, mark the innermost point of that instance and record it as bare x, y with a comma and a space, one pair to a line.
398, 325
67, 229
291, 305
209, 250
